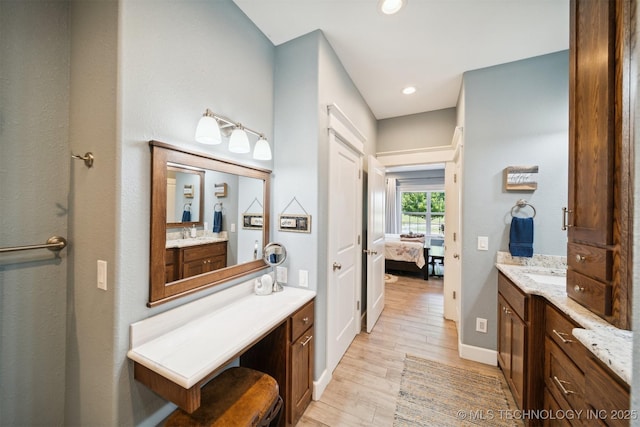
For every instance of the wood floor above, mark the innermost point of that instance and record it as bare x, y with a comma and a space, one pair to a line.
366, 382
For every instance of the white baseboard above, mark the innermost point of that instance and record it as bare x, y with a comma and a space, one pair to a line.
321, 384
478, 354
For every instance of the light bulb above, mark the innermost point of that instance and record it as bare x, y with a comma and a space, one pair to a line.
208, 131
389, 7
239, 141
262, 150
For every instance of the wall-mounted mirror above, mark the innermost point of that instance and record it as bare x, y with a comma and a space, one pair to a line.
209, 221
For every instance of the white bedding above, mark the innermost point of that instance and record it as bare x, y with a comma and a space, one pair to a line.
398, 250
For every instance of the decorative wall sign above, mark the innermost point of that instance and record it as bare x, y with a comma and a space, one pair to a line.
188, 191
294, 222
521, 178
252, 221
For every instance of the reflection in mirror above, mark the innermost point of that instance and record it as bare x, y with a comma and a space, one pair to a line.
184, 195
274, 255
214, 246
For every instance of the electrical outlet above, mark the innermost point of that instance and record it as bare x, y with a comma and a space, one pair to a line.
481, 325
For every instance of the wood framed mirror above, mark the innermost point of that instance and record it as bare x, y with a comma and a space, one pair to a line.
224, 247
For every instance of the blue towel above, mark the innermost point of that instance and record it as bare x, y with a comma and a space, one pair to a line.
186, 216
521, 237
217, 221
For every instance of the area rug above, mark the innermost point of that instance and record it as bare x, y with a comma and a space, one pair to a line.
436, 394
390, 278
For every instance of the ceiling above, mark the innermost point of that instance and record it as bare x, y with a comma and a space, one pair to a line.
429, 44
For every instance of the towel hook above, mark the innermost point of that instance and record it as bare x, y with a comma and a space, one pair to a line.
521, 204
88, 158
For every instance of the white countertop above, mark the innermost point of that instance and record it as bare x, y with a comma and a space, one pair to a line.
189, 342
611, 345
192, 241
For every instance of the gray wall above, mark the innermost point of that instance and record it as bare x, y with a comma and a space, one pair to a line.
430, 129
309, 77
34, 205
514, 114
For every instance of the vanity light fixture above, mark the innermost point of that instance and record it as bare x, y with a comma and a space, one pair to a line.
389, 7
212, 127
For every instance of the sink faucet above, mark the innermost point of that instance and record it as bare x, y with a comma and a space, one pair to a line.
185, 233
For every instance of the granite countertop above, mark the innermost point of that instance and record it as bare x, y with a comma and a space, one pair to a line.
193, 241
546, 276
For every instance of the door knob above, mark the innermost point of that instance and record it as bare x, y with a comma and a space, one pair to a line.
456, 256
368, 252
336, 266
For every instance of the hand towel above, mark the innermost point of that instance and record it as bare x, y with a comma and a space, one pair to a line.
521, 237
217, 221
186, 216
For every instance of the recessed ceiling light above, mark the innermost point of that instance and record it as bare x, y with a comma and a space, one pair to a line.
389, 7
409, 90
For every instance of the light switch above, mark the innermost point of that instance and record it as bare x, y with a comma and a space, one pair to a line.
303, 279
483, 243
281, 274
102, 275
233, 228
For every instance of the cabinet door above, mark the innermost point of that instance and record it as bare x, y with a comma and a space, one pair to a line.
504, 336
301, 374
592, 98
518, 337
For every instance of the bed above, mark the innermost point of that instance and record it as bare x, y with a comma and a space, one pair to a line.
406, 255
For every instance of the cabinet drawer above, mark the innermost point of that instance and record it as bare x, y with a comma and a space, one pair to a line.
559, 328
552, 406
203, 251
594, 295
513, 296
590, 261
563, 378
301, 321
607, 395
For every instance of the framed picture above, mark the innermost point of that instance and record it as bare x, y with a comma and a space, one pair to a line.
252, 221
188, 191
521, 178
296, 223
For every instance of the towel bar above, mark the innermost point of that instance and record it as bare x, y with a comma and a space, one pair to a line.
55, 244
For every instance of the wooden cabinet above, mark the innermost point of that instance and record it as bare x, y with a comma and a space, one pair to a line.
599, 202
576, 382
189, 261
293, 366
301, 378
518, 341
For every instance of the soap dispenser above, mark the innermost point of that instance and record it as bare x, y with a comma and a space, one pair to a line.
193, 231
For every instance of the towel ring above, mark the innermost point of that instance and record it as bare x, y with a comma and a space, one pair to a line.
521, 204
215, 207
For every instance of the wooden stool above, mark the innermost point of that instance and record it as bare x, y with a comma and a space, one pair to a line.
237, 397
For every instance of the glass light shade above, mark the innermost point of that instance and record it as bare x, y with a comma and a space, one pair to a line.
239, 141
262, 150
208, 131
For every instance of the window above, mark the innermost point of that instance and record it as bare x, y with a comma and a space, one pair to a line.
418, 216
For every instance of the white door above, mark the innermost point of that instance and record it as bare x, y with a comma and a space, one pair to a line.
453, 276
345, 213
375, 242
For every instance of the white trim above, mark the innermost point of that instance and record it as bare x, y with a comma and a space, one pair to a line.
477, 354
321, 384
420, 156
343, 127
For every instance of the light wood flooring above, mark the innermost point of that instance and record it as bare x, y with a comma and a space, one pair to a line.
366, 382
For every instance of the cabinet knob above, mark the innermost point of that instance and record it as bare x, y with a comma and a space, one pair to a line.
578, 288
305, 320
580, 258
507, 311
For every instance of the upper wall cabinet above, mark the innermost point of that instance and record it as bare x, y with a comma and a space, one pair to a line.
601, 94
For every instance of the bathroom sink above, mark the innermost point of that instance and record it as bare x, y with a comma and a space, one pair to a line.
547, 279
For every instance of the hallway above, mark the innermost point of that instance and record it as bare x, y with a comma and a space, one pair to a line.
366, 382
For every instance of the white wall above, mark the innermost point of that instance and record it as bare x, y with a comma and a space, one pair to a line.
34, 205
422, 130
514, 114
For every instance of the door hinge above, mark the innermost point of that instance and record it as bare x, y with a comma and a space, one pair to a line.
358, 239
455, 178
454, 236
359, 173
358, 305
454, 294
